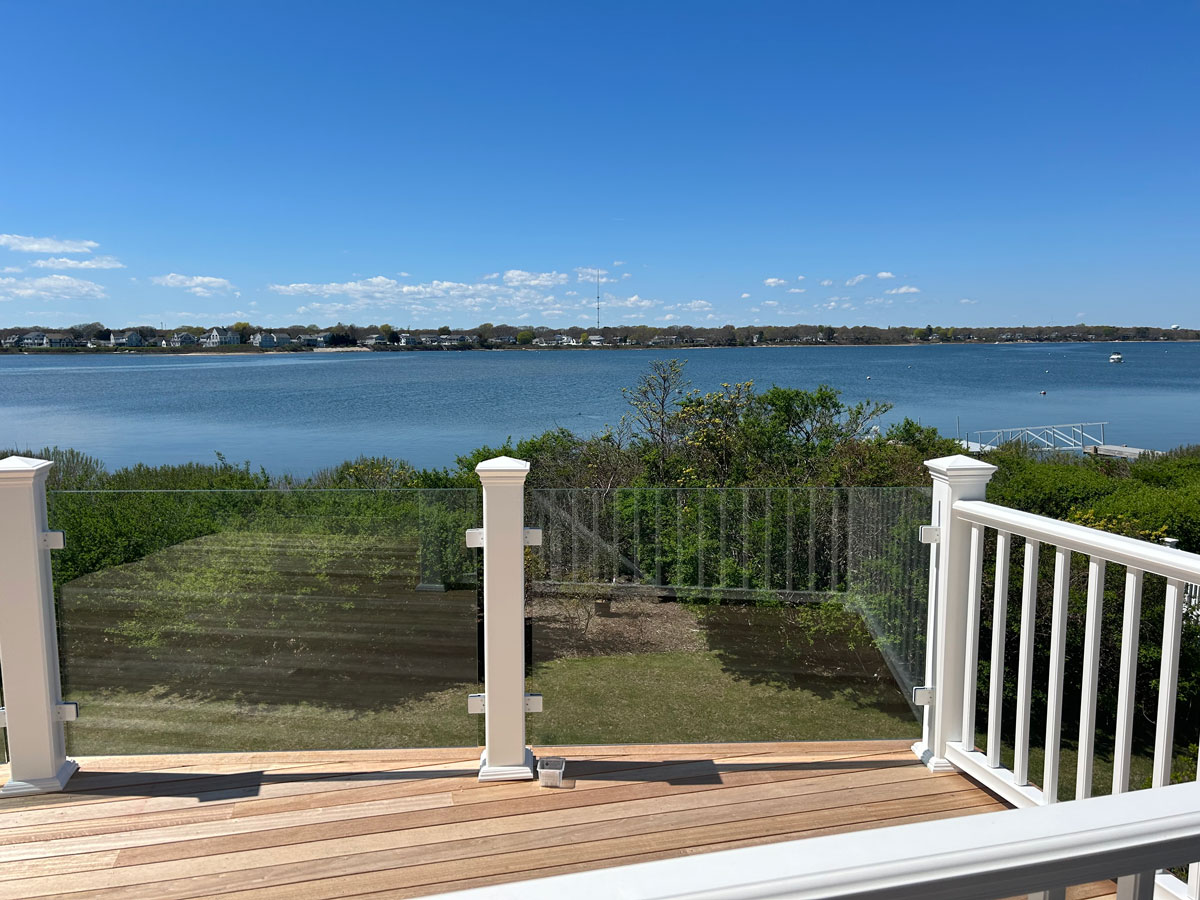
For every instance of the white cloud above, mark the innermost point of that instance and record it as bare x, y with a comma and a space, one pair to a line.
91, 262
966, 301
903, 289
519, 277
770, 303
827, 282
572, 293
884, 275
588, 274
50, 287
799, 277
618, 262
745, 296
669, 317
626, 274
200, 285
633, 302
10, 269
797, 290
491, 276
693, 305
26, 244
774, 282
857, 279
878, 301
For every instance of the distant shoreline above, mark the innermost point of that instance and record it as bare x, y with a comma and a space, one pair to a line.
249, 350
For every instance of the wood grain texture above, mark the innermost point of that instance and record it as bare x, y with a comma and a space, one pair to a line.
410, 823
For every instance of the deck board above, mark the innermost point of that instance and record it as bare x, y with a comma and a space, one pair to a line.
417, 822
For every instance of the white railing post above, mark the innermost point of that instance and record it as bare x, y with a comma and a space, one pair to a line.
505, 756
955, 478
33, 709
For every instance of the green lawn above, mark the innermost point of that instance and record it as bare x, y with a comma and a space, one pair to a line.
639, 698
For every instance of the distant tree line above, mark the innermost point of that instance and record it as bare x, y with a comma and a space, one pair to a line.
489, 334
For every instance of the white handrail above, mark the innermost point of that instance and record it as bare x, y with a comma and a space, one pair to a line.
996, 855
1114, 548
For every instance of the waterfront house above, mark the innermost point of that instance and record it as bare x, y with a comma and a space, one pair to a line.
126, 339
282, 338
407, 340
219, 337
33, 339
183, 339
373, 339
263, 340
596, 340
58, 339
12, 340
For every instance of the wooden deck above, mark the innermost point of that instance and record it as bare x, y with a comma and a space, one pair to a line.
408, 823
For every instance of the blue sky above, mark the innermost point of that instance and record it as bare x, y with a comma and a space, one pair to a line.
453, 163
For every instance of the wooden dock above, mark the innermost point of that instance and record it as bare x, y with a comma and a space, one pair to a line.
1117, 451
406, 823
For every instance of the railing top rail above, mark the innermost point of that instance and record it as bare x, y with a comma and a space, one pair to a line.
1039, 427
987, 856
1113, 548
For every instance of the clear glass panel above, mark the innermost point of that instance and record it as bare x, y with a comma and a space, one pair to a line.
677, 615
282, 619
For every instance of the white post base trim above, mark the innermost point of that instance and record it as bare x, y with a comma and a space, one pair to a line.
42, 785
931, 762
523, 772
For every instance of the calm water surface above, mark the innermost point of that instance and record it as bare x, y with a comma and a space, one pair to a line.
299, 412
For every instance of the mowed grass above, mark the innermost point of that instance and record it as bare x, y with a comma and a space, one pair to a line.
674, 697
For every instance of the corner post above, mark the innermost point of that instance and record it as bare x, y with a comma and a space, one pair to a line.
955, 478
505, 757
33, 708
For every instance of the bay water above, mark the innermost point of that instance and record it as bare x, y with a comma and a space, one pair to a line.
298, 412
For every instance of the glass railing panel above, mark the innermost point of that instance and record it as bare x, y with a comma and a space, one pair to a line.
267, 620
682, 615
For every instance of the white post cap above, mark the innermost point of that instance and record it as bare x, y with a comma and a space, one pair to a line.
959, 468
501, 469
19, 467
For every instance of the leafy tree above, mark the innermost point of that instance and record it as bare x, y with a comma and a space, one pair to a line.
524, 337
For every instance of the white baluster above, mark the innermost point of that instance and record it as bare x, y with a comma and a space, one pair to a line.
1054, 690
999, 627
1127, 684
971, 658
1168, 683
1090, 677
1029, 580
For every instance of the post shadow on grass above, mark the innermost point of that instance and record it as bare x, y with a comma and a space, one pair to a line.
791, 648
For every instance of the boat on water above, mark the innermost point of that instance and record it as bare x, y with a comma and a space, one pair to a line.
1116, 358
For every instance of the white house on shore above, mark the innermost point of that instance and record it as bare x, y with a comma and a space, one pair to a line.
264, 340
220, 336
183, 339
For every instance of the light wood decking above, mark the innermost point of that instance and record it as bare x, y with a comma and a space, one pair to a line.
406, 823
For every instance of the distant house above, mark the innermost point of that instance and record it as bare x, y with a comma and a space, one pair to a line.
282, 338
183, 339
263, 339
127, 339
429, 339
668, 339
58, 339
596, 340
451, 340
375, 339
12, 340
407, 340
33, 339
502, 339
218, 337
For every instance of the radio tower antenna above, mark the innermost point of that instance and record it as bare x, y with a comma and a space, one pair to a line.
597, 300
